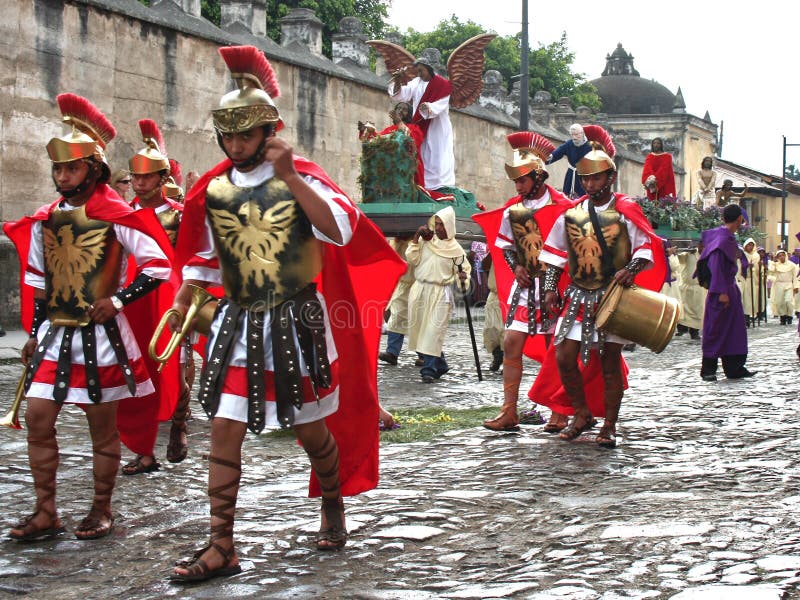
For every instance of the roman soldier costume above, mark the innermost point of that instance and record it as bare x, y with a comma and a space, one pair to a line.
515, 235
592, 243
290, 314
73, 254
170, 399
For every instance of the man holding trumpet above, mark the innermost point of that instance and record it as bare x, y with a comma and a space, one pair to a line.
270, 227
81, 349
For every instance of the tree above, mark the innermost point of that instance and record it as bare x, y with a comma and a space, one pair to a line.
550, 67
792, 172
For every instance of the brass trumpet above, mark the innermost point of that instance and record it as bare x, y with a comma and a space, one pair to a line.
11, 420
203, 306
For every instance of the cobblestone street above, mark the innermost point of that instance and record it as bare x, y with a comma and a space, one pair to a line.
699, 500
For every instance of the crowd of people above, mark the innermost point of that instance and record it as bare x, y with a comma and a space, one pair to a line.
245, 264
261, 245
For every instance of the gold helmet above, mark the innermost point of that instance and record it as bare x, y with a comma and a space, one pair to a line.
91, 131
600, 157
172, 186
250, 105
153, 157
531, 150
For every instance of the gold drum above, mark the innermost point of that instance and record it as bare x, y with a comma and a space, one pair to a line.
639, 315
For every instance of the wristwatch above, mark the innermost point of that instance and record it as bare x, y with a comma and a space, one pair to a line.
118, 305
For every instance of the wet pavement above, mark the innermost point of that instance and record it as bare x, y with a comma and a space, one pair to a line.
698, 501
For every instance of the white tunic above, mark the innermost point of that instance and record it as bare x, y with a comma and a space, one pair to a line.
204, 267
437, 148
146, 252
431, 297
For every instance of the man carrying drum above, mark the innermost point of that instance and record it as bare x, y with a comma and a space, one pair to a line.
603, 238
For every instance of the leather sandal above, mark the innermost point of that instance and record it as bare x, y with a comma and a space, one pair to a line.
556, 423
333, 537
572, 431
177, 447
46, 466
198, 569
31, 533
607, 436
137, 466
507, 420
92, 526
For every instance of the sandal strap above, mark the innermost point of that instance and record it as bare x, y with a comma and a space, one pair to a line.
225, 509
46, 469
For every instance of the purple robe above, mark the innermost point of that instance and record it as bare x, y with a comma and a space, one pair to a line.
724, 330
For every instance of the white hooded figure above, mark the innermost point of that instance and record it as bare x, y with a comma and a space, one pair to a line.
783, 274
430, 301
752, 299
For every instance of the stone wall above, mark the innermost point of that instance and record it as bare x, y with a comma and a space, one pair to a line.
161, 62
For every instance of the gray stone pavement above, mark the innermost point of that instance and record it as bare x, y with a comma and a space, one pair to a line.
699, 500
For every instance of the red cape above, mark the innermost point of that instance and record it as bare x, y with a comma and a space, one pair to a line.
438, 87
652, 278
135, 415
490, 223
660, 165
357, 281
144, 314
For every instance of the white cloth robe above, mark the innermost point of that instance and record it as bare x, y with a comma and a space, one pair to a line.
431, 297
437, 148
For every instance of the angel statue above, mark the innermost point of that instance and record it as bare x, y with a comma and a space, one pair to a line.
415, 80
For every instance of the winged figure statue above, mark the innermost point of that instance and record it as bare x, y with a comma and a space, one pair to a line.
431, 95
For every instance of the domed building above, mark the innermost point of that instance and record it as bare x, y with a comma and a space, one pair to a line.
636, 110
625, 92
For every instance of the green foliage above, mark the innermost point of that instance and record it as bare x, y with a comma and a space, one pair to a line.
792, 172
209, 9
674, 213
418, 425
550, 67
423, 425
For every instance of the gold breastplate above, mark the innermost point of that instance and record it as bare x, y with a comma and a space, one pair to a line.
83, 262
266, 247
527, 237
170, 219
585, 255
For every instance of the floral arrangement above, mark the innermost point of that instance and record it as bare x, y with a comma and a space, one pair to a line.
680, 215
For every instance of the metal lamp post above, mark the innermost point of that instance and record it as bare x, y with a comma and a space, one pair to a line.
523, 82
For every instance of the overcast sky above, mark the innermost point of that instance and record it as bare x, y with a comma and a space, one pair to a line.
739, 64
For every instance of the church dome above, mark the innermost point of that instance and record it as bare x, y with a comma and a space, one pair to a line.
624, 92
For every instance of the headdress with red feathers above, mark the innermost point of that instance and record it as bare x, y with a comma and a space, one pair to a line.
251, 105
151, 132
531, 150
175, 171
91, 131
153, 157
595, 133
600, 157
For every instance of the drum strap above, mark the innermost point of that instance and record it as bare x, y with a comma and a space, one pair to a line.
607, 261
